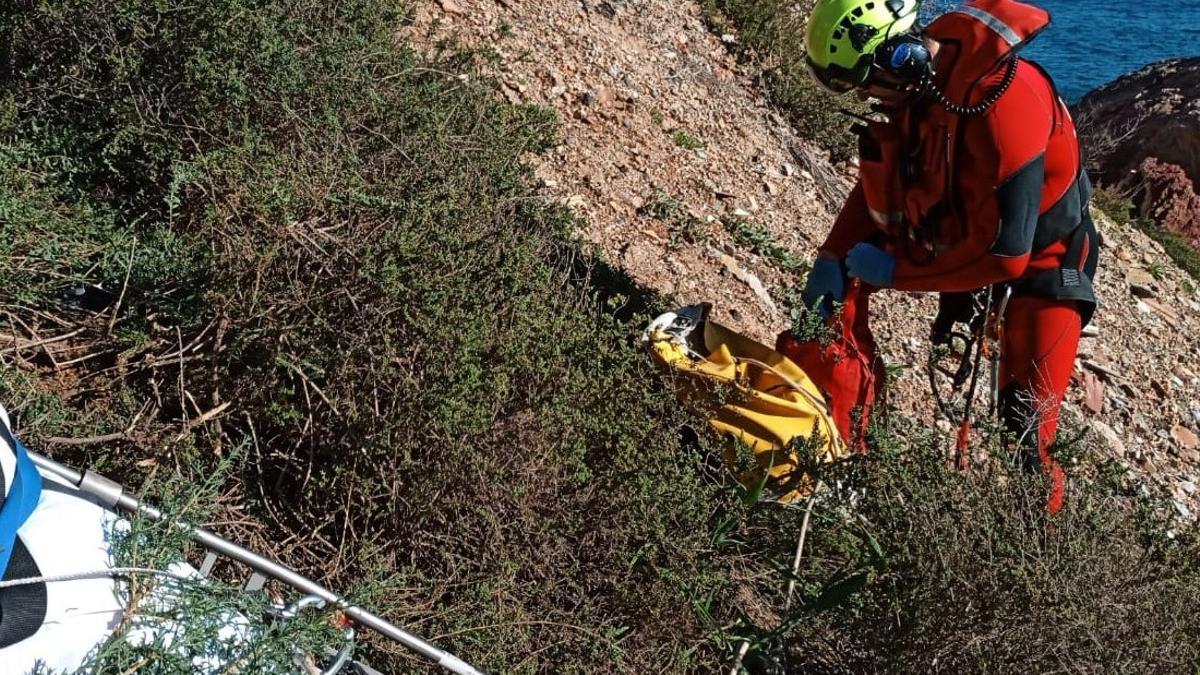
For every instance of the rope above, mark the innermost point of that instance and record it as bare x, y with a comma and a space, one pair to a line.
962, 448
957, 379
817, 401
791, 587
113, 572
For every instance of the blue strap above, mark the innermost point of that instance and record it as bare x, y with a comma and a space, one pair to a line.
21, 499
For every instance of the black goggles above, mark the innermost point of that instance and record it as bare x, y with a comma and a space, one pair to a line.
839, 79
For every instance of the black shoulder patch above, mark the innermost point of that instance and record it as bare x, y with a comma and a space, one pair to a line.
1065, 215
1018, 200
22, 608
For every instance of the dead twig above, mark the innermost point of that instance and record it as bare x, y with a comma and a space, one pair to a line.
182, 390
23, 344
215, 379
37, 338
112, 321
126, 435
88, 440
1103, 370
195, 345
204, 417
300, 373
791, 585
46, 316
59, 365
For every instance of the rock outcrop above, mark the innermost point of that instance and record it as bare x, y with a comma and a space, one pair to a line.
1142, 135
1166, 194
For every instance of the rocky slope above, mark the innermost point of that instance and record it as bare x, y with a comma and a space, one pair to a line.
668, 142
1144, 137
665, 138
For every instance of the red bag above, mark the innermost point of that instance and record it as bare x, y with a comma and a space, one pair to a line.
846, 368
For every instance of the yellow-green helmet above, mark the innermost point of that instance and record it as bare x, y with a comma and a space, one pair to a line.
842, 37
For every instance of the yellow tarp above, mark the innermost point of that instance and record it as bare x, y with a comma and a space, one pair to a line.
753, 395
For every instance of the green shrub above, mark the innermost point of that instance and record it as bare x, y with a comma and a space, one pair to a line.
917, 567
1181, 250
687, 141
759, 239
1114, 203
681, 225
175, 624
774, 31
279, 206
337, 237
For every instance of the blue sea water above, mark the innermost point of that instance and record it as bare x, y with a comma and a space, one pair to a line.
1092, 42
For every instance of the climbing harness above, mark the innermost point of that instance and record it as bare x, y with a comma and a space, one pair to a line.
984, 337
113, 497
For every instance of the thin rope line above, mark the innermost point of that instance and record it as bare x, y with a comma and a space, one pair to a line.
94, 574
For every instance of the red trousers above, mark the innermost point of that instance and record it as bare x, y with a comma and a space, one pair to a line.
1041, 338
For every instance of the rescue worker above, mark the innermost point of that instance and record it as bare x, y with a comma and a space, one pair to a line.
970, 177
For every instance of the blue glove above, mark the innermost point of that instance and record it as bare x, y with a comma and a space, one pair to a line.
826, 285
871, 264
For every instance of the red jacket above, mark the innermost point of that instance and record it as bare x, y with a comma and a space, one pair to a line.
972, 200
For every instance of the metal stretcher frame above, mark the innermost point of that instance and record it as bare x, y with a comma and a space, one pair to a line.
113, 495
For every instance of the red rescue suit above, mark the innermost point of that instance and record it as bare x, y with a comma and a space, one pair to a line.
965, 201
